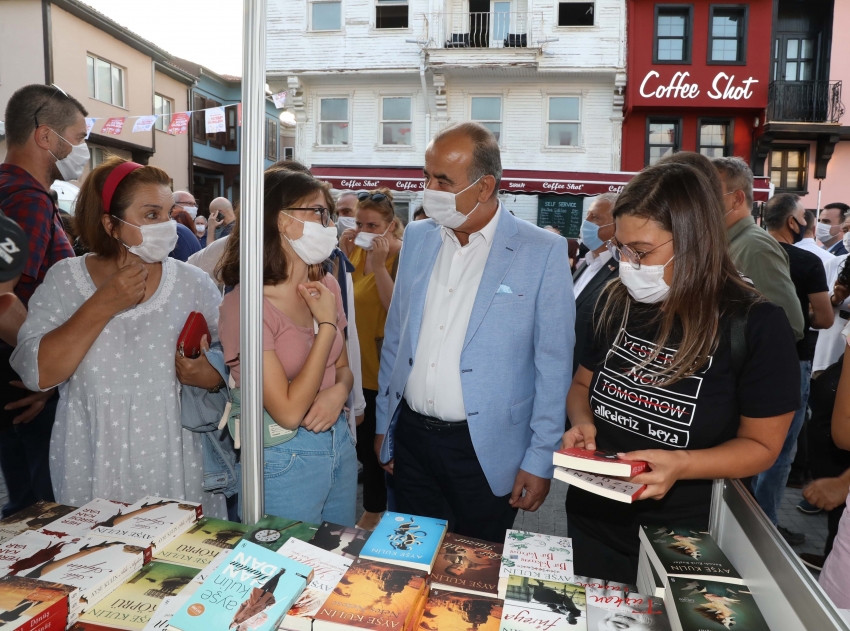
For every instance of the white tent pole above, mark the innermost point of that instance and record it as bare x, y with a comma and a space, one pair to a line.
817, 213
250, 255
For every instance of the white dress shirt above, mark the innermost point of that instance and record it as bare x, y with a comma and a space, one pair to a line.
594, 264
434, 388
810, 245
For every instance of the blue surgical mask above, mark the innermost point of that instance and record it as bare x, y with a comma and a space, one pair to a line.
590, 234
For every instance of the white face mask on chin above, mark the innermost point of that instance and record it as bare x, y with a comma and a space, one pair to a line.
646, 284
158, 240
441, 206
316, 243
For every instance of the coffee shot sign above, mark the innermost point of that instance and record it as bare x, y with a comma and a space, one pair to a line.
564, 212
724, 87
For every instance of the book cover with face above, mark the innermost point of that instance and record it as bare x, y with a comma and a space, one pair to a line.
610, 609
453, 611
199, 545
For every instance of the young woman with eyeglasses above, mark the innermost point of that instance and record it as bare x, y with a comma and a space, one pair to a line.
310, 466
372, 247
688, 369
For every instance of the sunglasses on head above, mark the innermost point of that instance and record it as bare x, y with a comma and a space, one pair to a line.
56, 90
362, 196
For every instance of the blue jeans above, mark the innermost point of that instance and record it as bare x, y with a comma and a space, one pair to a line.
313, 477
769, 485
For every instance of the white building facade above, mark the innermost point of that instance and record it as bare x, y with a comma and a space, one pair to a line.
371, 81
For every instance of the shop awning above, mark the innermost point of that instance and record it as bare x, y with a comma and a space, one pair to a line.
513, 181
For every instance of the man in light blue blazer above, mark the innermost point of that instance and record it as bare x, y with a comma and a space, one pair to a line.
477, 351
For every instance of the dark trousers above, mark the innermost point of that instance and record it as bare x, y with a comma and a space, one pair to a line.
437, 474
374, 487
594, 558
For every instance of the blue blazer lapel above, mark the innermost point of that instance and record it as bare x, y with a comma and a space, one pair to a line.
431, 245
502, 255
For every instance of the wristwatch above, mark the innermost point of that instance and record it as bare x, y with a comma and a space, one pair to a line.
218, 386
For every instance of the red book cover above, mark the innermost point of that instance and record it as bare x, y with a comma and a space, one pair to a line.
27, 604
468, 565
451, 610
598, 461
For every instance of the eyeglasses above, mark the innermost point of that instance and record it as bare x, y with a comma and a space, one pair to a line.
56, 90
362, 196
620, 252
321, 212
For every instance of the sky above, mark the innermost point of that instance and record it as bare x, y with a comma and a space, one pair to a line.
208, 32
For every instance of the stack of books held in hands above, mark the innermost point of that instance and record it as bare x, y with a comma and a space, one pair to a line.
599, 472
702, 590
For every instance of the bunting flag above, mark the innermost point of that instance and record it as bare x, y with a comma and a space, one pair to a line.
113, 126
215, 120
279, 100
89, 125
179, 123
144, 123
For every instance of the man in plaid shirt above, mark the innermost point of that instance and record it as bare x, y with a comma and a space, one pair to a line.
45, 136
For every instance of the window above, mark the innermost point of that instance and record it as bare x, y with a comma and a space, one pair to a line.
199, 129
575, 13
98, 155
391, 14
333, 121
672, 34
663, 137
163, 107
230, 133
106, 82
726, 35
788, 166
289, 153
271, 139
715, 138
326, 16
396, 121
487, 110
563, 121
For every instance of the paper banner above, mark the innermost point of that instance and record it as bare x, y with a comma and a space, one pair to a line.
239, 114
179, 123
113, 126
89, 125
279, 100
215, 120
144, 123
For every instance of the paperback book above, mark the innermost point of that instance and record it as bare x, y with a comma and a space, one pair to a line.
535, 605
328, 569
27, 604
648, 580
252, 589
28, 550
152, 521
132, 605
372, 595
406, 540
701, 605
612, 488
455, 611
81, 521
598, 461
686, 553
202, 542
532, 555
36, 516
612, 586
615, 609
468, 565
345, 540
272, 532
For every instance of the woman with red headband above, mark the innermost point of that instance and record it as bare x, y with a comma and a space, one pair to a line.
104, 327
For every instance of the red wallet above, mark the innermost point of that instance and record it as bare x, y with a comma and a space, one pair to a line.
189, 341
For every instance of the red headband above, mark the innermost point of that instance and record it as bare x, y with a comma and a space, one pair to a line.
114, 179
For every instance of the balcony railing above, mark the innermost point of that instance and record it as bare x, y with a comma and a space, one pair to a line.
494, 29
805, 101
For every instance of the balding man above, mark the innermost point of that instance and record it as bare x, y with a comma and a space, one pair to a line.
477, 348
597, 268
187, 241
221, 221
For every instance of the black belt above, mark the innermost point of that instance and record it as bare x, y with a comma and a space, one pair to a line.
429, 422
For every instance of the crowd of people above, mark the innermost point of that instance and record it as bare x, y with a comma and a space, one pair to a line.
450, 357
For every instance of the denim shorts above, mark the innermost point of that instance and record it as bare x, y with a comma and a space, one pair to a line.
313, 477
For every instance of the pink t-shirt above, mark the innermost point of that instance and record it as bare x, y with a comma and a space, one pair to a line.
291, 343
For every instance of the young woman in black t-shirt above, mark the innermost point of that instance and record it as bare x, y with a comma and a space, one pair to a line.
659, 383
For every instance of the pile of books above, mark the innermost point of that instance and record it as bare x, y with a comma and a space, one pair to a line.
599, 472
701, 589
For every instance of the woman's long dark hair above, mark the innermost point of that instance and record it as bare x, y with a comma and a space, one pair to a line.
281, 189
705, 287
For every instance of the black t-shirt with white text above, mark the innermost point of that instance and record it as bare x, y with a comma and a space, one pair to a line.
697, 412
809, 277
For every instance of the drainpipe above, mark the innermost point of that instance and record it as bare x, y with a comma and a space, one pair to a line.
425, 97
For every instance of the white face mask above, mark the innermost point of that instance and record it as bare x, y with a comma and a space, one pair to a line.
200, 228
345, 223
192, 210
71, 166
316, 243
158, 240
364, 240
441, 207
645, 284
822, 232
846, 240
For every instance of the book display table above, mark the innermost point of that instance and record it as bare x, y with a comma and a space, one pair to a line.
787, 594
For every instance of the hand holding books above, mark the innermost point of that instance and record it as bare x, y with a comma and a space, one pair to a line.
665, 467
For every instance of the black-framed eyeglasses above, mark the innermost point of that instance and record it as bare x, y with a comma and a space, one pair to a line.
362, 196
56, 90
620, 252
323, 213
